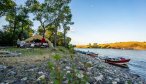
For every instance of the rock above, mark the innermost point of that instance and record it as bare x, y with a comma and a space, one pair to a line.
33, 69
110, 78
64, 61
80, 75
67, 67
91, 80
88, 73
89, 62
99, 78
19, 82
65, 82
9, 67
2, 67
8, 81
67, 71
41, 77
89, 69
114, 82
24, 79
12, 73
41, 73
117, 80
87, 83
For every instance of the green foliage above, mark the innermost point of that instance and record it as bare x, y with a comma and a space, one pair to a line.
6, 6
19, 24
129, 82
62, 49
60, 39
50, 65
72, 76
5, 38
71, 49
52, 15
57, 57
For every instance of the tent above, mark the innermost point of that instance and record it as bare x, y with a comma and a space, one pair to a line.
39, 37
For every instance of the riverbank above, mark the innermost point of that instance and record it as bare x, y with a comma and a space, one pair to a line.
76, 68
133, 45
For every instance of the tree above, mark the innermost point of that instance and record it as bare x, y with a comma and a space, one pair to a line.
24, 21
66, 17
63, 18
6, 6
48, 13
11, 17
43, 12
18, 23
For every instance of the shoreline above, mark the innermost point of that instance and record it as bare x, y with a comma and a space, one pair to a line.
112, 48
24, 72
119, 74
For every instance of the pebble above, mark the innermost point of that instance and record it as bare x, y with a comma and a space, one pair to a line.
41, 77
114, 82
2, 67
12, 73
10, 67
24, 79
67, 67
99, 78
80, 75
41, 73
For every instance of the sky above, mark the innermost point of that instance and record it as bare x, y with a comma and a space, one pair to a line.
105, 21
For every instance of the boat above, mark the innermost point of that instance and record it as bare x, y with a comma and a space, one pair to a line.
120, 61
87, 53
92, 54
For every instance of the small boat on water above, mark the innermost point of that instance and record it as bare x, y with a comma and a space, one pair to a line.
92, 54
118, 61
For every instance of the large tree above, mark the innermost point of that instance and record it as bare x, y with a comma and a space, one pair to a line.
43, 12
24, 21
48, 13
18, 20
62, 15
66, 22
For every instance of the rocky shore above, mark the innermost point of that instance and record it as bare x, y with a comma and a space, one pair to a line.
95, 70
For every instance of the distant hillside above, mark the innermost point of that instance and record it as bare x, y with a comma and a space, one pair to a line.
118, 45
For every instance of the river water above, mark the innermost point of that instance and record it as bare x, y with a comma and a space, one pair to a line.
137, 65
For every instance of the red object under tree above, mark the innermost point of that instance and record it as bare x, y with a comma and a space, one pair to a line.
43, 40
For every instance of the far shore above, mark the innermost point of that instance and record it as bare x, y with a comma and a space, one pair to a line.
118, 45
113, 48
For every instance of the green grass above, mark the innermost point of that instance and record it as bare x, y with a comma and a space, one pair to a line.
29, 51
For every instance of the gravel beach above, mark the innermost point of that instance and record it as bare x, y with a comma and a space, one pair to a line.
95, 69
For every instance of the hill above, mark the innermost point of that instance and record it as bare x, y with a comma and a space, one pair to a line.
133, 45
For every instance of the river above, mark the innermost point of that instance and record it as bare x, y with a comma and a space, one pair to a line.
137, 65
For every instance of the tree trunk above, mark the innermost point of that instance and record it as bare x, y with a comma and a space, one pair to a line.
22, 32
64, 36
55, 37
14, 28
44, 30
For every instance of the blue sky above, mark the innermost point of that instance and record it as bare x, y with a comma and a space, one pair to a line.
106, 21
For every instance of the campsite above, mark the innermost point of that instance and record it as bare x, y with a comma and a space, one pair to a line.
72, 42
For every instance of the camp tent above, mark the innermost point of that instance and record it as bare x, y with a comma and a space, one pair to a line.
39, 37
